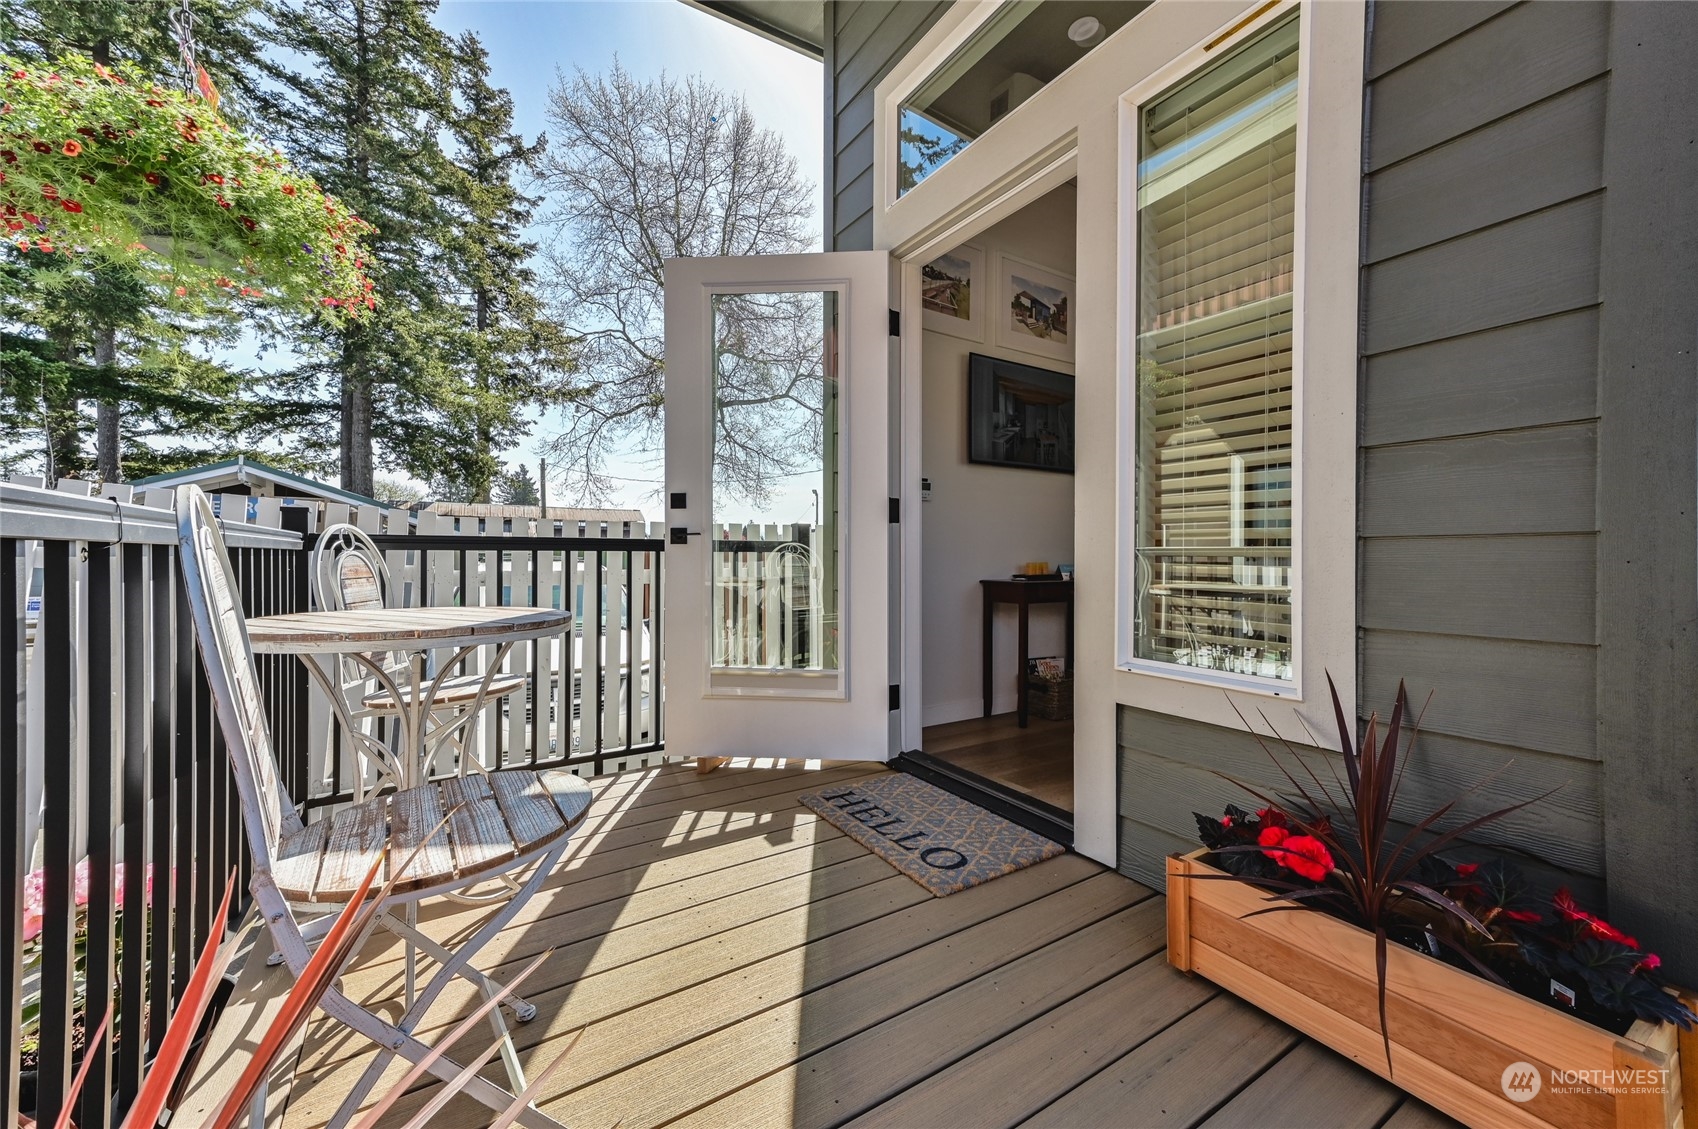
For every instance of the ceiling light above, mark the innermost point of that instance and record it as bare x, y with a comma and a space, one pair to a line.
1086, 31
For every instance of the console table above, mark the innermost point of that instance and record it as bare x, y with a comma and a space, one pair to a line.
1023, 594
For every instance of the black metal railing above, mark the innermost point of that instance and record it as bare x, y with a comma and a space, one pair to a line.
593, 699
121, 810
117, 772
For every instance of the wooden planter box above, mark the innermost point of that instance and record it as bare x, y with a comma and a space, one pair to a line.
1453, 1034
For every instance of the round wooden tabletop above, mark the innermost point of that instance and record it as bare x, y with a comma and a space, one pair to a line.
400, 629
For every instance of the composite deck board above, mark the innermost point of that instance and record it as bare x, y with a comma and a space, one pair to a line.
730, 959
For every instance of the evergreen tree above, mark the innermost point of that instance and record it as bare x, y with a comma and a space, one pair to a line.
510, 354
356, 93
518, 488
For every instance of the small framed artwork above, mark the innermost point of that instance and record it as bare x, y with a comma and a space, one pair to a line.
953, 290
1034, 309
1018, 415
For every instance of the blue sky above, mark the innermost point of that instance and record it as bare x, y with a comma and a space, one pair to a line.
530, 40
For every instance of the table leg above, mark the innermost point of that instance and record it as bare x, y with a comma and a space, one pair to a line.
1020, 665
1067, 608
986, 661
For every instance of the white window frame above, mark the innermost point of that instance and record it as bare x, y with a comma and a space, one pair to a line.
1324, 362
1072, 128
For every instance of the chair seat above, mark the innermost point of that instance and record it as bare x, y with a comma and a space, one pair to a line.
495, 818
461, 690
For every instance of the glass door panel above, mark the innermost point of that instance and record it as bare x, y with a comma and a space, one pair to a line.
775, 527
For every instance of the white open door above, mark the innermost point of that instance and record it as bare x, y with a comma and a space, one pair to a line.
779, 430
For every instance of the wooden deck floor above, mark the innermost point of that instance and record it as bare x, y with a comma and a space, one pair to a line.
734, 961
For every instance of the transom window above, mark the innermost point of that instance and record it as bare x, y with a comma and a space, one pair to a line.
1021, 48
1216, 182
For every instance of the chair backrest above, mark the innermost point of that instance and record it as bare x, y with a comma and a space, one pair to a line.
221, 631
349, 572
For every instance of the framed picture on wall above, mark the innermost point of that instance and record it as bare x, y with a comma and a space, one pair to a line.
1018, 415
1034, 309
953, 291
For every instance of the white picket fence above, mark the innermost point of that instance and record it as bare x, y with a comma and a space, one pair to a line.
771, 604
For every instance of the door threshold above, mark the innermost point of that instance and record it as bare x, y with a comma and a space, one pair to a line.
1010, 803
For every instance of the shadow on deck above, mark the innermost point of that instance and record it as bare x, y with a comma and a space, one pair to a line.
734, 961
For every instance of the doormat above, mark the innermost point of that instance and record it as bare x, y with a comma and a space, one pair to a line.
939, 840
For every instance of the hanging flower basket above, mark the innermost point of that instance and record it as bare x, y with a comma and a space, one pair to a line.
95, 161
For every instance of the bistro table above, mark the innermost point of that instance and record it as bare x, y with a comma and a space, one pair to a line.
367, 635
1023, 594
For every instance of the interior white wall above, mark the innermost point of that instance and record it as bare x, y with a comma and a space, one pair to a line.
985, 521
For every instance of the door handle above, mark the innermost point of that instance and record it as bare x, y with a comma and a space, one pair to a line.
678, 535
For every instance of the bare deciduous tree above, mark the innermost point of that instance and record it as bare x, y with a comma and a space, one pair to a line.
642, 171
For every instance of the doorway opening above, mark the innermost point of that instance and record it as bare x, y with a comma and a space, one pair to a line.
997, 441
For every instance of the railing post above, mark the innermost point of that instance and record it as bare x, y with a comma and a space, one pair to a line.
53, 649
13, 862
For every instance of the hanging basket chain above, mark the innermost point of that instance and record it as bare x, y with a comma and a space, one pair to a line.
183, 23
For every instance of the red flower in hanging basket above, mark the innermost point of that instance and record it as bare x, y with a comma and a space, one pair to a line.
41, 147
50, 192
248, 222
72, 148
45, 246
8, 156
222, 202
86, 130
151, 177
288, 190
182, 291
71, 205
154, 102
212, 178
20, 74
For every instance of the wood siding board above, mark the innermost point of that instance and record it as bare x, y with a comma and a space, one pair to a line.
1528, 53
1537, 481
1565, 828
1407, 29
1523, 375
857, 234
1648, 481
856, 154
1543, 155
857, 22
1537, 588
854, 115
1530, 695
1540, 264
1144, 850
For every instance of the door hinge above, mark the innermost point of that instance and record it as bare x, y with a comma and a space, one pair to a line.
895, 511
896, 697
896, 323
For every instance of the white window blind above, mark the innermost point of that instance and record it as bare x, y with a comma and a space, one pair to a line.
1216, 189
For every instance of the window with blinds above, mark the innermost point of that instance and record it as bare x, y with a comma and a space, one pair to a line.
1217, 170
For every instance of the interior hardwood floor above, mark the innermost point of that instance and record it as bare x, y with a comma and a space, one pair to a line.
732, 960
1037, 760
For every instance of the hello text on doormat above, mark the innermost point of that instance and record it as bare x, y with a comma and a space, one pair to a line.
939, 840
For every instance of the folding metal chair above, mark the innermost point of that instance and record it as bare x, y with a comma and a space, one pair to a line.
497, 824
